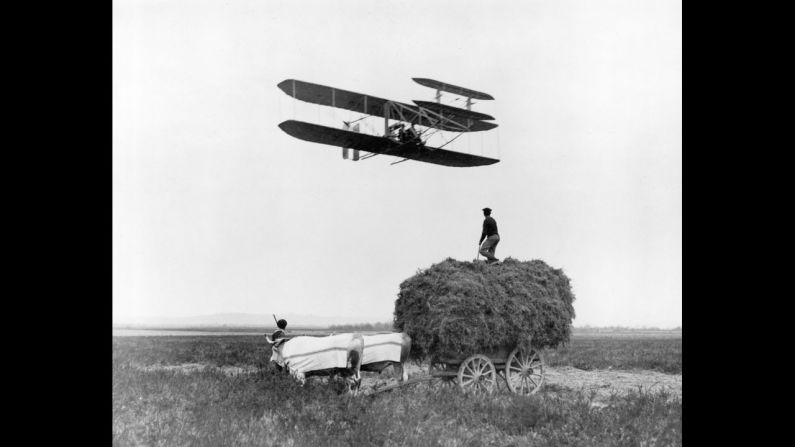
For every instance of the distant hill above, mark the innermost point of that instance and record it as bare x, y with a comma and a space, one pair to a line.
248, 320
310, 321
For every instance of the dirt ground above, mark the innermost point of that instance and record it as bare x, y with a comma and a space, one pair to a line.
606, 382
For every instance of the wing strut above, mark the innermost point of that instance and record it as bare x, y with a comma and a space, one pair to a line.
445, 144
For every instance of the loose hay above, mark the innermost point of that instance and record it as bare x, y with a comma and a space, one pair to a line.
455, 309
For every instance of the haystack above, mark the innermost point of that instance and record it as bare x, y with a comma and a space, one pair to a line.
455, 309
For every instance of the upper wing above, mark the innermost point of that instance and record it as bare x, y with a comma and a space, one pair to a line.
334, 97
450, 88
380, 145
373, 105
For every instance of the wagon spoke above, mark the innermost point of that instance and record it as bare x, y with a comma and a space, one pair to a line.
472, 372
476, 366
467, 376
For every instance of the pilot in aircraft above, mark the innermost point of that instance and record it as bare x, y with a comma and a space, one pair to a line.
413, 137
411, 133
396, 131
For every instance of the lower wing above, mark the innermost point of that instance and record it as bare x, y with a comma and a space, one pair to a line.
316, 133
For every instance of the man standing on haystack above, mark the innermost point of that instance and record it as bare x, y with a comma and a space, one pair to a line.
490, 235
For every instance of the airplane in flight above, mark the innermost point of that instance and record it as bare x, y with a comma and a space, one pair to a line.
399, 139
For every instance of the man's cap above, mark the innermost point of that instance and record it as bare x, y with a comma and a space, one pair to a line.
488, 210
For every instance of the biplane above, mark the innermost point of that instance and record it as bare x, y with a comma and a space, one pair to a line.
399, 139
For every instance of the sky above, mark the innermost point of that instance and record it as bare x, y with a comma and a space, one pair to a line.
217, 210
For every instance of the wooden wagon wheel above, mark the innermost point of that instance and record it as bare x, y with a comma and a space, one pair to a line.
477, 373
440, 380
524, 371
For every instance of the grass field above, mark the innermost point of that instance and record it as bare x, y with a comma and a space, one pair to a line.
220, 390
602, 352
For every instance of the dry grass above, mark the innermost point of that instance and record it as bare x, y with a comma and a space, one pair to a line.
590, 352
229, 396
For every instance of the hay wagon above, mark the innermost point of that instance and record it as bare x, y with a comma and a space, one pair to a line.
522, 371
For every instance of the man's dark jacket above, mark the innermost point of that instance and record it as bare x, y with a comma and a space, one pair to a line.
489, 228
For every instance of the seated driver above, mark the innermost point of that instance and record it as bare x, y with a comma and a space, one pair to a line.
278, 337
413, 136
280, 332
395, 131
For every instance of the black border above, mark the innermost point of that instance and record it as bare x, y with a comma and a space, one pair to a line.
64, 226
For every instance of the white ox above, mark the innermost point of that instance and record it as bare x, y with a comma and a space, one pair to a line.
383, 350
306, 356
